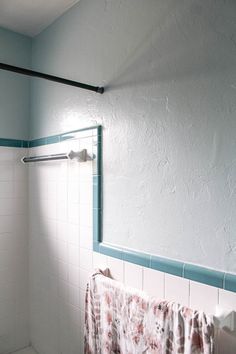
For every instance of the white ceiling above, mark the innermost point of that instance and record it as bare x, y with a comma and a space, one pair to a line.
30, 17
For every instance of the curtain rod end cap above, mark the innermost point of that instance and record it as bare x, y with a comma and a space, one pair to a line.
100, 90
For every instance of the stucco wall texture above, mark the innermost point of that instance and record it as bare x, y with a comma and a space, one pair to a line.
169, 118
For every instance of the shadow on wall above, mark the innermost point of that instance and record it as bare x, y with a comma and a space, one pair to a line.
192, 41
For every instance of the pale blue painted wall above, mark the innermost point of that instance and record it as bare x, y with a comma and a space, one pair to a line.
15, 49
168, 116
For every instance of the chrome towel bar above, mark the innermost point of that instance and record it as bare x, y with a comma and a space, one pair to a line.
80, 156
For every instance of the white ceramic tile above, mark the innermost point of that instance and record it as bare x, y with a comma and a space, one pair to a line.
20, 189
225, 342
153, 283
14, 331
116, 267
82, 299
62, 211
74, 295
84, 278
6, 189
7, 154
86, 237
73, 192
73, 254
85, 215
62, 230
73, 233
85, 173
133, 275
52, 190
86, 259
73, 213
86, 193
177, 289
73, 275
7, 206
99, 261
227, 300
63, 290
62, 251
203, 297
6, 223
26, 351
7, 171
62, 191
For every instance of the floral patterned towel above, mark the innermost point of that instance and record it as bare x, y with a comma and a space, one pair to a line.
123, 320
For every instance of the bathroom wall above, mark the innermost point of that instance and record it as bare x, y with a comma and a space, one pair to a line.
168, 115
61, 257
14, 287
15, 49
60, 248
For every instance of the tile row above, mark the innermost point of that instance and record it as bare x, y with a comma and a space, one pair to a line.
166, 286
189, 271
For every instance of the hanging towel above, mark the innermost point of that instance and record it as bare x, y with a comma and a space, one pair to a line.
123, 320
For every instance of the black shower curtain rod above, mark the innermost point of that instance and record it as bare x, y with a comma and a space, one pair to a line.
60, 80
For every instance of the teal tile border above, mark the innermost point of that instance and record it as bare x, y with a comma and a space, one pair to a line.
61, 137
189, 271
185, 270
204, 275
14, 143
167, 265
230, 282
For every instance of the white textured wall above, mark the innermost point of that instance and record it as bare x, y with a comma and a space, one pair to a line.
168, 115
14, 290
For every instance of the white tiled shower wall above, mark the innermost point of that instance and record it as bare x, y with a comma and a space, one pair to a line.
60, 207
14, 300
61, 258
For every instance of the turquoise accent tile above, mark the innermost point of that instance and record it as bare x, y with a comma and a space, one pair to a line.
138, 258
97, 225
204, 275
111, 251
63, 137
96, 246
53, 139
97, 192
25, 143
11, 142
99, 158
99, 151
99, 130
38, 142
230, 282
167, 265
60, 137
72, 134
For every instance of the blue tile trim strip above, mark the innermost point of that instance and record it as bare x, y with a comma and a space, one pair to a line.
230, 282
189, 271
14, 143
204, 275
46, 140
60, 137
200, 274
